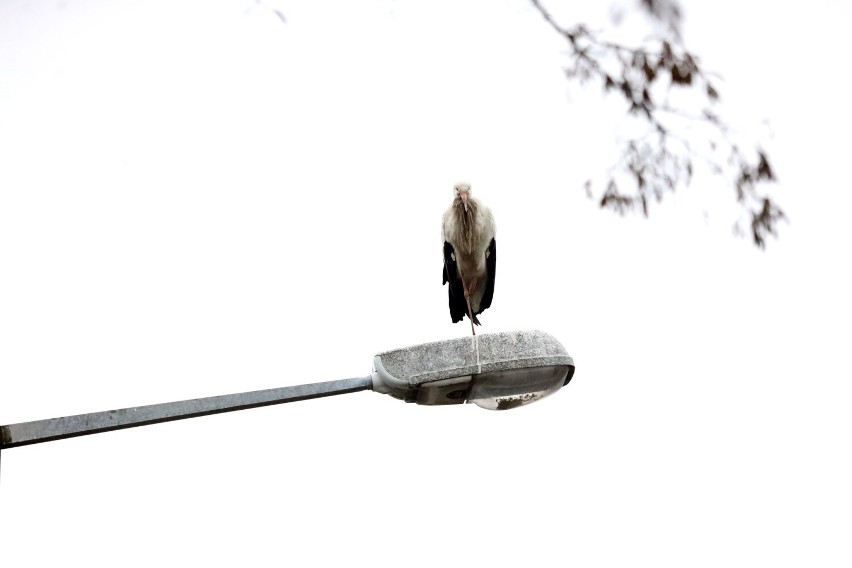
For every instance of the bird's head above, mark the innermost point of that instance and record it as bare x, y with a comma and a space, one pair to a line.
463, 193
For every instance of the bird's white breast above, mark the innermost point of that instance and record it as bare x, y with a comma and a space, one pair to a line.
470, 240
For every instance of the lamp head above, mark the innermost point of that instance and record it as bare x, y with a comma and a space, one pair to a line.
497, 371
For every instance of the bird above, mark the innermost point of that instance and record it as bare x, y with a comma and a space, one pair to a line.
470, 255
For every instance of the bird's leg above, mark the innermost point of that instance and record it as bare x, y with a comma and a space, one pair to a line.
468, 290
469, 312
472, 286
467, 300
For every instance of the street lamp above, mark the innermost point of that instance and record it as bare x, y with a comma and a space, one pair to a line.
497, 371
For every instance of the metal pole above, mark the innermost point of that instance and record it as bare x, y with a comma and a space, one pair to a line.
25, 433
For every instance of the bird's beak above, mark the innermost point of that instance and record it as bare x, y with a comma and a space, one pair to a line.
463, 195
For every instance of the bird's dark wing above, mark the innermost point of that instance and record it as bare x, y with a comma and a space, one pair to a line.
448, 259
491, 272
458, 305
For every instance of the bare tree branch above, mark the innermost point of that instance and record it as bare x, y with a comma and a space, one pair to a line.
662, 161
275, 11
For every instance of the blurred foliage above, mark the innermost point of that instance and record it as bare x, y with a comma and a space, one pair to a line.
663, 159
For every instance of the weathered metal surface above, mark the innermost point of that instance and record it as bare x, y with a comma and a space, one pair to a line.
38, 431
402, 373
472, 355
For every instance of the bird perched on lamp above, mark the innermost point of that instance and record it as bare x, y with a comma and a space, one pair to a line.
470, 255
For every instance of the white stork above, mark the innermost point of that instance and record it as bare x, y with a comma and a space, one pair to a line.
470, 255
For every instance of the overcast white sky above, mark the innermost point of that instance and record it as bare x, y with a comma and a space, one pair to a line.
198, 199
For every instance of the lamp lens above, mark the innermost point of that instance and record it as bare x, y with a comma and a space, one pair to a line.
502, 390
